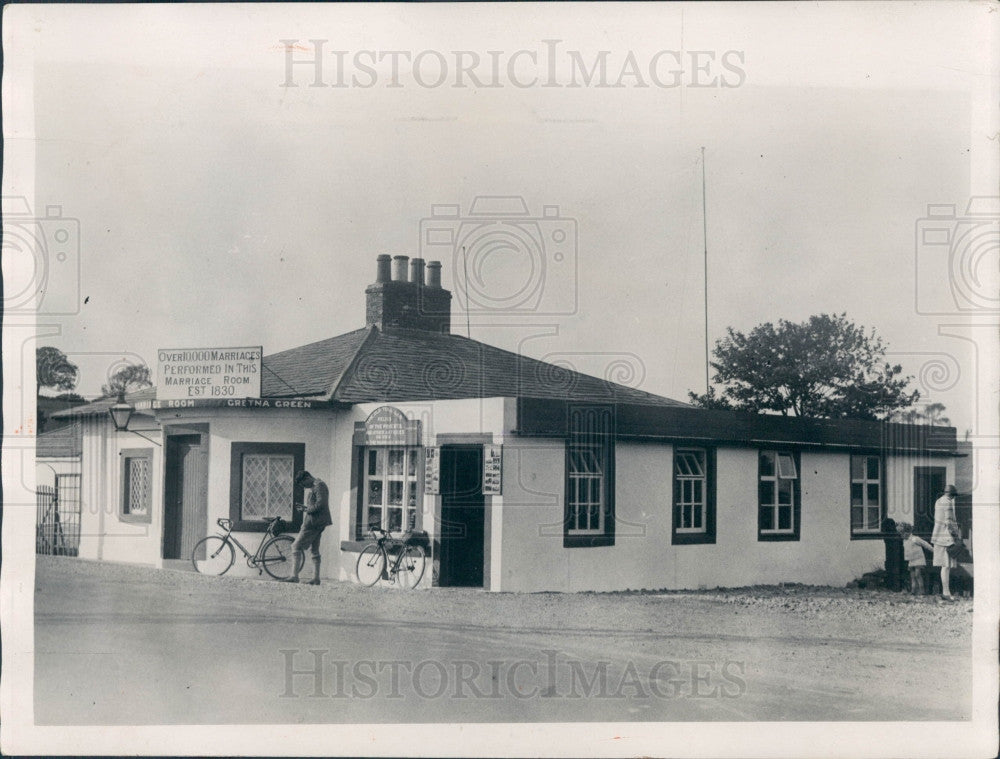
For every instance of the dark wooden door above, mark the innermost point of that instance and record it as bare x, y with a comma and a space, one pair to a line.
185, 506
463, 510
928, 485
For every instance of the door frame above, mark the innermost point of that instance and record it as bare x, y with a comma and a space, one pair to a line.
929, 472
181, 430
451, 443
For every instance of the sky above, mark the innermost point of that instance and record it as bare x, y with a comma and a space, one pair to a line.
217, 207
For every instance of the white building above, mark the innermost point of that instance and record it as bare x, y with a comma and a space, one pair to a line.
525, 475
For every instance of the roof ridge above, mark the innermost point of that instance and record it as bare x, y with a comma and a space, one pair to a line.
349, 368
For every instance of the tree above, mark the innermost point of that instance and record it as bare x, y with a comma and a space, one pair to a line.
932, 414
53, 369
126, 379
823, 367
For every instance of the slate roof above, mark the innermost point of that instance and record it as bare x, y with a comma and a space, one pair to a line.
400, 364
370, 365
403, 364
310, 370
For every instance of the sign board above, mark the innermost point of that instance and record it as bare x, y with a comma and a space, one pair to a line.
241, 403
492, 469
432, 470
214, 373
387, 426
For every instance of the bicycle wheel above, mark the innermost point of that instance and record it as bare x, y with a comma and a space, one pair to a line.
212, 555
411, 567
371, 565
278, 559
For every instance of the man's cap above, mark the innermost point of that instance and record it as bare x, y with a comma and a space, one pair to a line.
302, 477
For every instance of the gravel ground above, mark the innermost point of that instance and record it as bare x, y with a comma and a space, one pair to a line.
124, 636
789, 610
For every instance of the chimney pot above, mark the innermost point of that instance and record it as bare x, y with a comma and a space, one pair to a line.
434, 274
382, 268
399, 268
417, 271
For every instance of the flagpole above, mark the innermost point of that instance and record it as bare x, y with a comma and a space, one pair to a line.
704, 221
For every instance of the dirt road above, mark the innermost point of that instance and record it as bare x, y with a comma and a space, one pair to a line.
118, 644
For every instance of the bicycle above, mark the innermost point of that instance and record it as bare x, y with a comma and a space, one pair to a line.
396, 559
214, 555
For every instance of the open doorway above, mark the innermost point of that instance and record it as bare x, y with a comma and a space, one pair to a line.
928, 485
463, 517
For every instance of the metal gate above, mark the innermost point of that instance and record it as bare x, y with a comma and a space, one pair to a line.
57, 517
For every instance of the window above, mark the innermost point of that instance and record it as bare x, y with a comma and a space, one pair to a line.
261, 483
589, 501
391, 487
779, 496
694, 496
585, 496
137, 475
866, 495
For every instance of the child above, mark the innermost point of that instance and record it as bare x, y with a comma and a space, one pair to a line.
913, 553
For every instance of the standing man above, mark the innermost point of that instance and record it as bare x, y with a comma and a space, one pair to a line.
944, 535
315, 519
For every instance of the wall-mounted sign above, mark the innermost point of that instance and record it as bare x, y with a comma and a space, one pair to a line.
492, 469
214, 373
387, 426
244, 403
432, 470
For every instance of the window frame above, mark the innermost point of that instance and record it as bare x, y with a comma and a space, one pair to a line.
237, 451
598, 437
125, 514
414, 453
876, 533
690, 536
795, 532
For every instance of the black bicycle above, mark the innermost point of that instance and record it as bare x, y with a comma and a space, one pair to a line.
214, 555
387, 558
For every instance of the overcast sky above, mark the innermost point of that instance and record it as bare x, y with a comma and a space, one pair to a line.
218, 208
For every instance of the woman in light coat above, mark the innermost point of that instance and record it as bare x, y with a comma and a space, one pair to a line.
945, 534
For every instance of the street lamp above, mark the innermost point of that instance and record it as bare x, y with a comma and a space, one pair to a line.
120, 413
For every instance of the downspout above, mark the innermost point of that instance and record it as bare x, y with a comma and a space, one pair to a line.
102, 492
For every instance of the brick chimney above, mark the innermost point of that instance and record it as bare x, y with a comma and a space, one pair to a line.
394, 300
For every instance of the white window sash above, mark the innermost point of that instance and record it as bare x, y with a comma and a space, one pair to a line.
404, 478
866, 505
776, 507
699, 458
